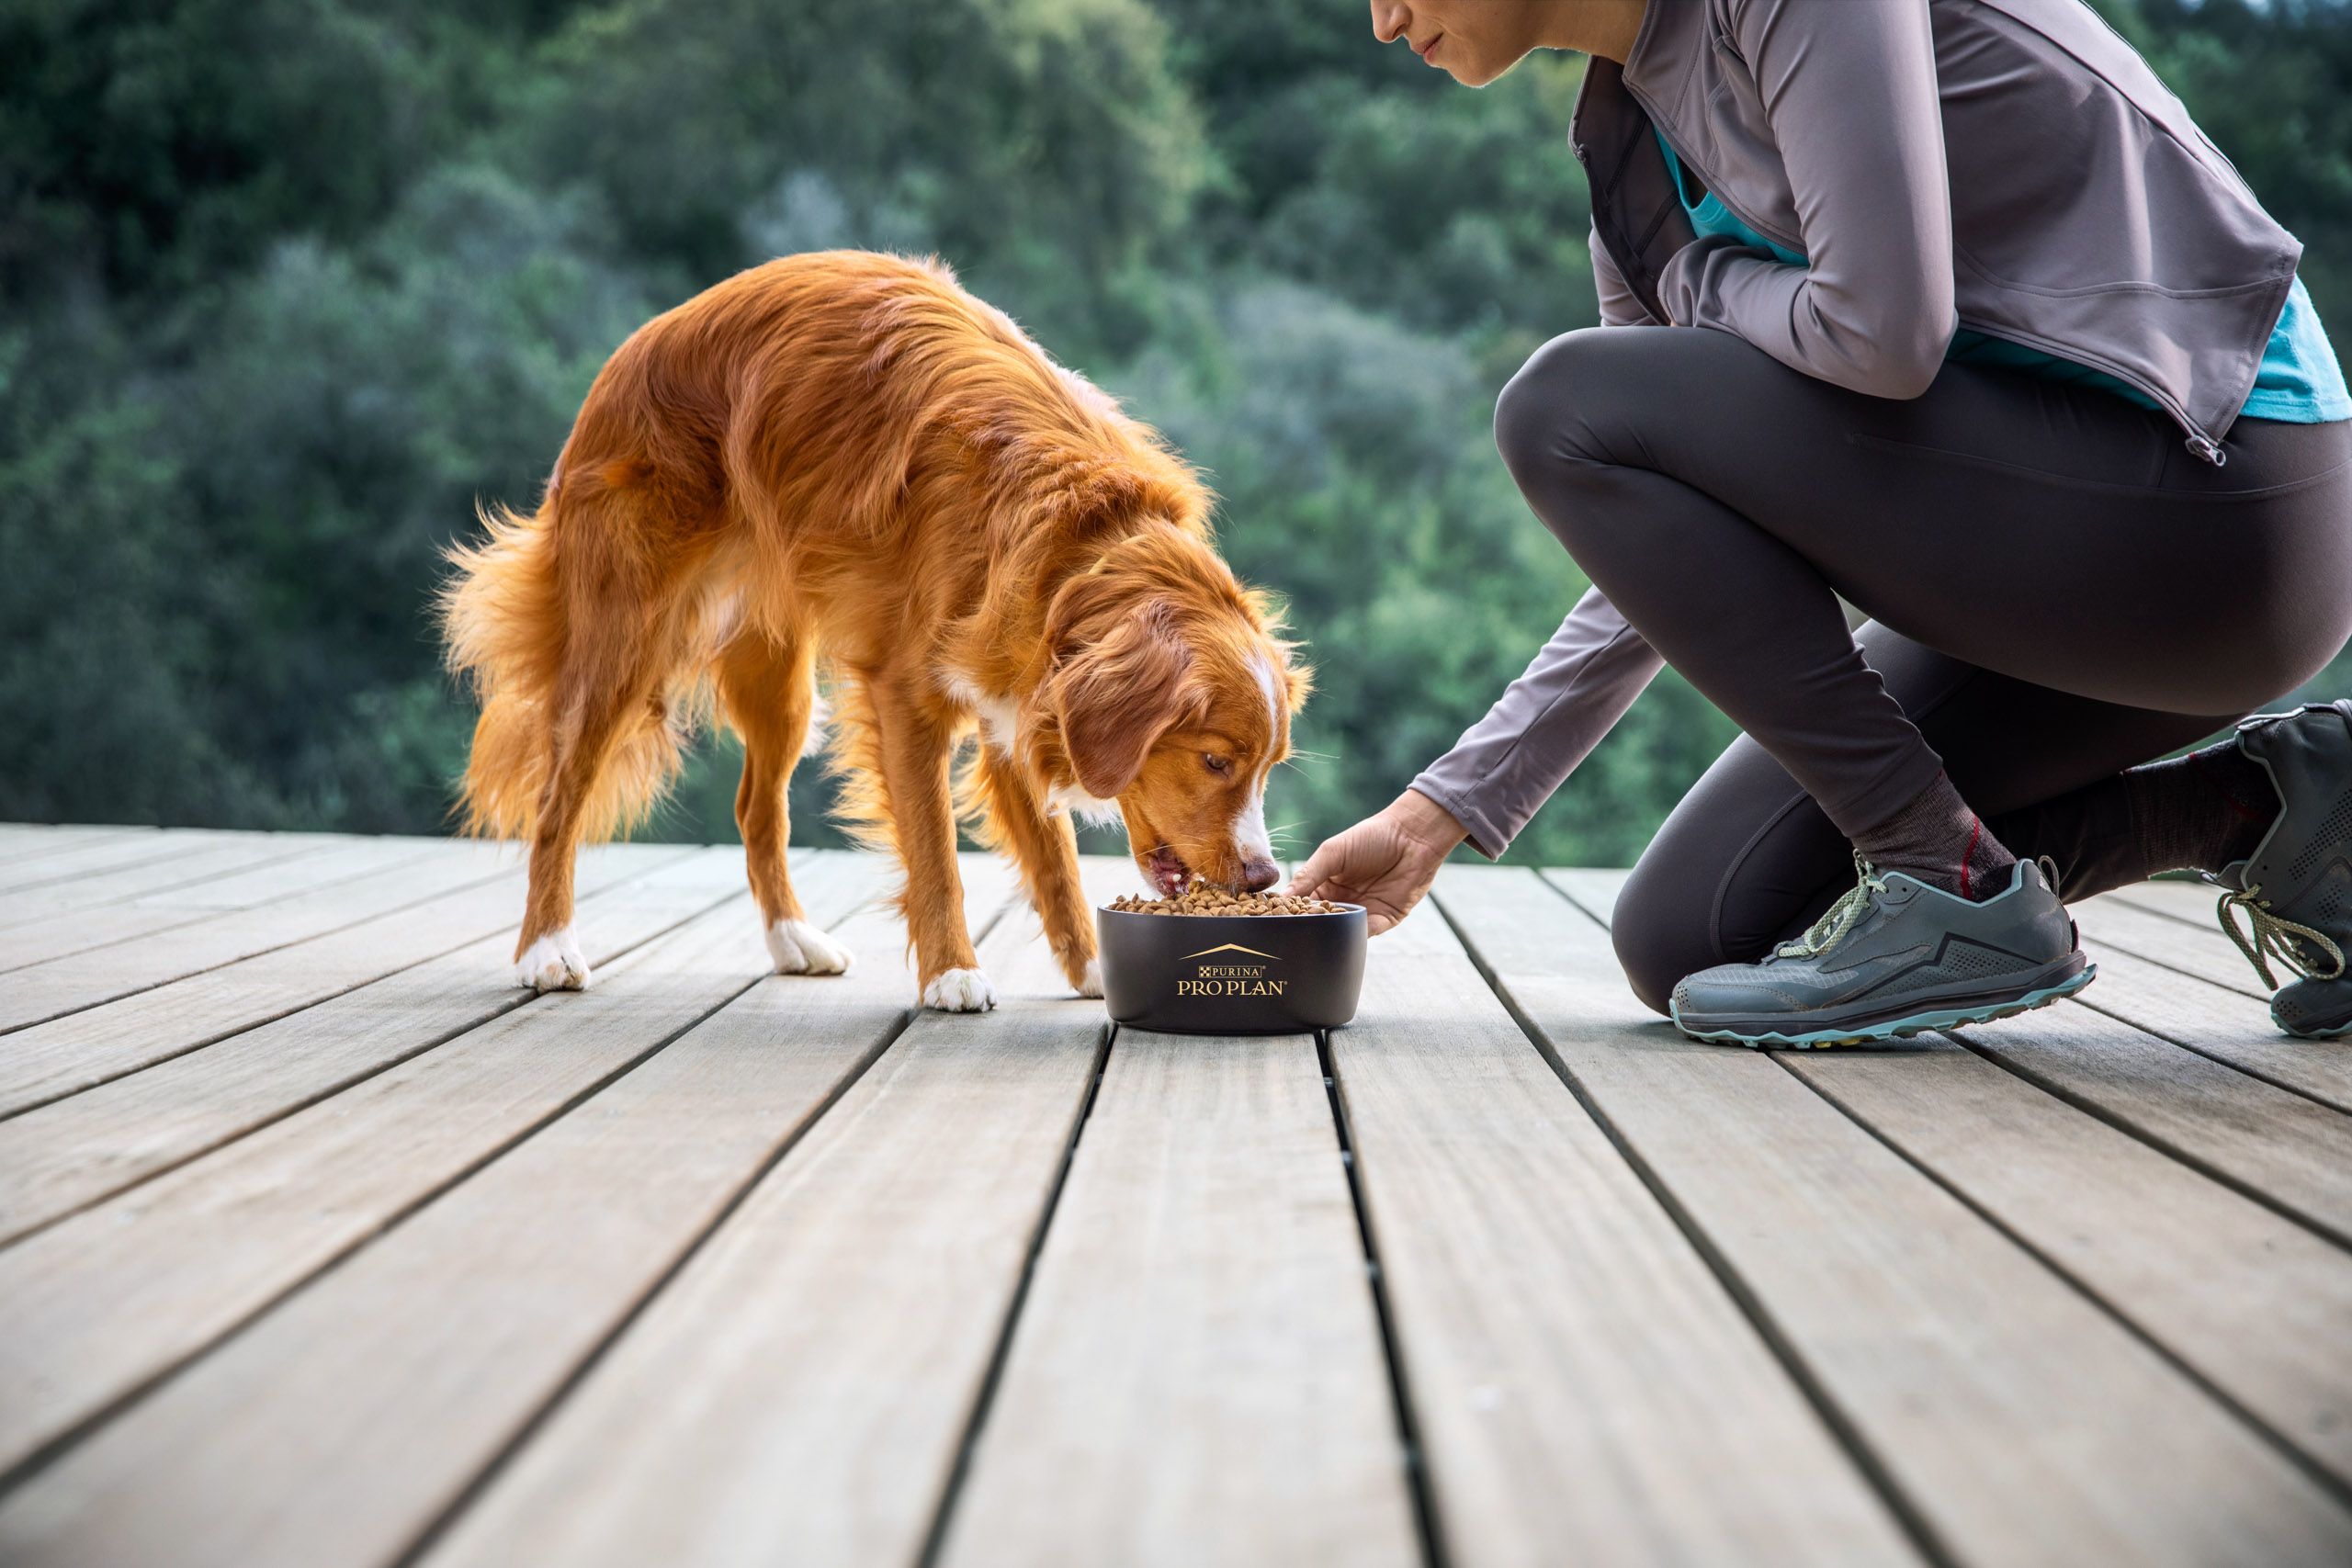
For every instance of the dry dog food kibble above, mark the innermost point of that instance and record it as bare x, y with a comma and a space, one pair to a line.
1199, 900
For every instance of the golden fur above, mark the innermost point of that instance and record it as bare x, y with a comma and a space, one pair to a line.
845, 458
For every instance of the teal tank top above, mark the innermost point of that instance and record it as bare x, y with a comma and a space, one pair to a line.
2299, 381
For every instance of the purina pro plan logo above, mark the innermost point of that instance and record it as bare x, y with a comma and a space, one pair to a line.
1230, 969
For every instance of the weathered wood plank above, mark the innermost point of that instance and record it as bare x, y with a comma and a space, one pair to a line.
22, 842
355, 1413
268, 884
2192, 902
65, 1056
2227, 1025
2240, 1129
800, 1390
94, 1309
1593, 890
202, 862
2294, 1152
1585, 1388
95, 849
2258, 1305
2202, 951
2019, 1423
69, 1154
1197, 1375
403, 876
151, 920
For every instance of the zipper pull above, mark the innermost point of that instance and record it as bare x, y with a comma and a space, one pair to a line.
2206, 449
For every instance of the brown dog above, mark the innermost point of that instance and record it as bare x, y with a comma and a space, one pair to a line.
844, 458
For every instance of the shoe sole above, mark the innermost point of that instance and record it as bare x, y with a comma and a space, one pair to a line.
1896, 1027
2338, 1033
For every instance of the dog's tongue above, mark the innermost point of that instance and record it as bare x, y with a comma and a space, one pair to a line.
1169, 874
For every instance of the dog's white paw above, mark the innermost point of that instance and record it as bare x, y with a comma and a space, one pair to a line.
960, 990
1091, 982
553, 964
799, 948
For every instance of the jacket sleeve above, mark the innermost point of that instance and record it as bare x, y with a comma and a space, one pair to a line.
1509, 762
1620, 305
1850, 92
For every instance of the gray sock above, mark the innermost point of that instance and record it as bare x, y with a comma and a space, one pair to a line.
1940, 841
2201, 811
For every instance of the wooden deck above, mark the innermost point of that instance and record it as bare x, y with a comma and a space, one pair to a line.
319, 1246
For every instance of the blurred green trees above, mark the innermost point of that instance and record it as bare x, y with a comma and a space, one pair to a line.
291, 283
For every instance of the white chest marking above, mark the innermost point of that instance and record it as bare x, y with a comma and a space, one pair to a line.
1088, 809
1250, 828
999, 717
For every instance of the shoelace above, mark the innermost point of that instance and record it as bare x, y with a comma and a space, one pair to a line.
2274, 936
1838, 919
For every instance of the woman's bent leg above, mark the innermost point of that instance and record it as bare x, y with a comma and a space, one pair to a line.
2052, 535
1747, 859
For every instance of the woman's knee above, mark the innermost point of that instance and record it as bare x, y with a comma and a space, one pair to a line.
1745, 860
1661, 929
1540, 424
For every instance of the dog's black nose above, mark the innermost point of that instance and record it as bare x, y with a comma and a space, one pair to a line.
1259, 873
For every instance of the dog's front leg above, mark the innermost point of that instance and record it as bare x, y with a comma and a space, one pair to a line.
1046, 849
915, 739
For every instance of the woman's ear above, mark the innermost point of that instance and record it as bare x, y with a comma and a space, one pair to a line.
1115, 694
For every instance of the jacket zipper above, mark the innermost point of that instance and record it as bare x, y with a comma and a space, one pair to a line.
2201, 446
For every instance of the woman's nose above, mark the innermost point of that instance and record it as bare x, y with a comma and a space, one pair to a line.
1389, 20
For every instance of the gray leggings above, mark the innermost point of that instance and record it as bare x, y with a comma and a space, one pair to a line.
2058, 590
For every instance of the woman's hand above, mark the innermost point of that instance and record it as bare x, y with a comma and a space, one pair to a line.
1386, 861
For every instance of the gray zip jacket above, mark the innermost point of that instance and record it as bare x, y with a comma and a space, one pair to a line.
2008, 165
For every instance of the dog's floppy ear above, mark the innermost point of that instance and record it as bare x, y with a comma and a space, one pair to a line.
1119, 683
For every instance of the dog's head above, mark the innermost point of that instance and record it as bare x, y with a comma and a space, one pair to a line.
1171, 695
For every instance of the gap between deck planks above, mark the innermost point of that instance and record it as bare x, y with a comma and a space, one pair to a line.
361, 1306
24, 843
67, 853
114, 1298
2018, 1421
341, 1424
66, 1154
390, 876
1584, 1386
151, 919
1197, 1373
453, 896
2282, 1149
802, 1387
190, 865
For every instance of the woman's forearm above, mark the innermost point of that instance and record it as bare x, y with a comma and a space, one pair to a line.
1509, 762
1851, 94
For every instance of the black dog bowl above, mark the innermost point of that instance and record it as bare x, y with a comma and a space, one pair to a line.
1232, 974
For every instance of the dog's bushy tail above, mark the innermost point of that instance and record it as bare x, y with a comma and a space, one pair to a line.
505, 616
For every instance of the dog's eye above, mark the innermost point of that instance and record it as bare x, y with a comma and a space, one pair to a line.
1217, 765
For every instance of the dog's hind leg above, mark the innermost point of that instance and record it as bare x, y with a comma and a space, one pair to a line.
1014, 821
599, 703
913, 737
769, 689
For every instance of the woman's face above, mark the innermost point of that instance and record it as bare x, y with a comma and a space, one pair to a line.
1473, 41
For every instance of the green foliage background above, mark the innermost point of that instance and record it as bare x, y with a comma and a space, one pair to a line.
289, 284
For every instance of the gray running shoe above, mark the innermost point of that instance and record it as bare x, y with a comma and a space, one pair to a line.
1893, 957
2296, 888
2315, 1009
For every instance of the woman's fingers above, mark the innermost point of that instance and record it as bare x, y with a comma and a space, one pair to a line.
1308, 878
1373, 864
1323, 868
